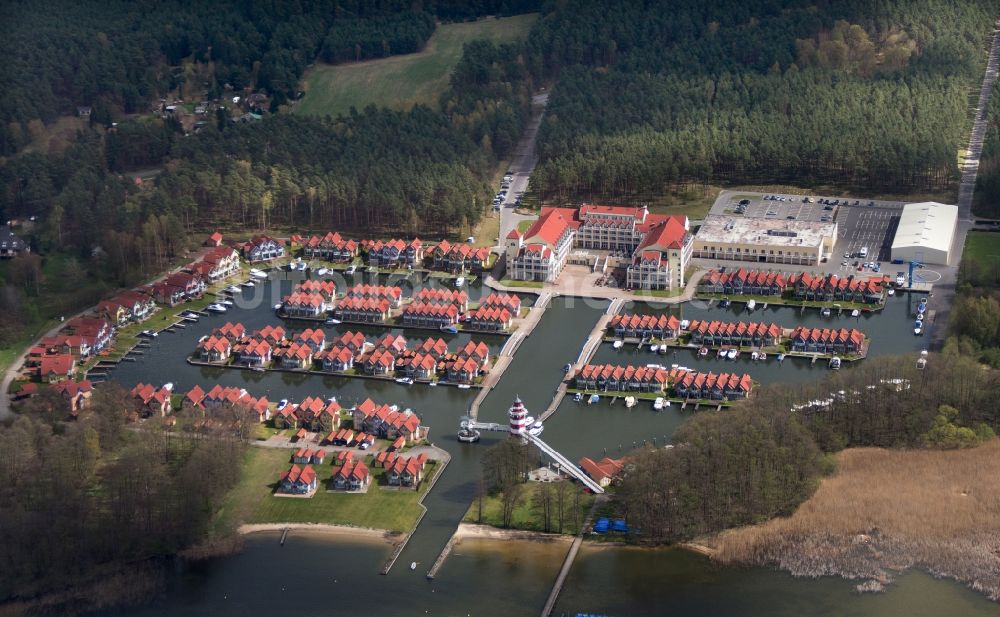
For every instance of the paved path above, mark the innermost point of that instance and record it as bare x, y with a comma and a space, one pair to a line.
550, 604
588, 289
944, 290
523, 162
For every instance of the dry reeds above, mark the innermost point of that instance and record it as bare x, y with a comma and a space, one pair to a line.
888, 509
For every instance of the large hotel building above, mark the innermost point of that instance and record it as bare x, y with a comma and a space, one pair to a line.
654, 248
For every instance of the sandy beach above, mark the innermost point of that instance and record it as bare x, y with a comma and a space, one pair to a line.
336, 530
485, 532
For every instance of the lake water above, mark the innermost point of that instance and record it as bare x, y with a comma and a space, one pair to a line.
320, 575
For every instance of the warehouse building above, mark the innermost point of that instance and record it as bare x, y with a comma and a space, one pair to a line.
925, 233
765, 240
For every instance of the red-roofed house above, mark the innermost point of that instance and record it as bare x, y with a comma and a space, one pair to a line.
298, 481
406, 471
214, 240
75, 393
351, 476
662, 256
604, 472
57, 367
263, 248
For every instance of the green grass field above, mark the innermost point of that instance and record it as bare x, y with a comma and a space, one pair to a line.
984, 247
253, 500
525, 516
401, 82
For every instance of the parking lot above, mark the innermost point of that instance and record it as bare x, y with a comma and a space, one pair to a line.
860, 222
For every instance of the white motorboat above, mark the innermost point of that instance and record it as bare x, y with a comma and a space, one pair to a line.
900, 280
281, 404
654, 348
826, 312
351, 269
406, 381
920, 317
536, 428
413, 565
215, 308
835, 363
754, 356
703, 352
658, 403
432, 384
732, 354
248, 284
464, 386
322, 272
751, 305
891, 292
618, 344
233, 289
762, 356
781, 357
332, 322
226, 302
258, 274
855, 313
460, 281
685, 323
593, 399
578, 397
529, 420
149, 334
169, 386
918, 331
630, 402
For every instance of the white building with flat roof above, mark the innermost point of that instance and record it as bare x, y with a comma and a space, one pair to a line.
925, 233
764, 240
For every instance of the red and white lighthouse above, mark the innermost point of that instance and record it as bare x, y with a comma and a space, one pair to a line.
518, 415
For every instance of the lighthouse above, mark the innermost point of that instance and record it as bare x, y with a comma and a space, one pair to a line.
518, 415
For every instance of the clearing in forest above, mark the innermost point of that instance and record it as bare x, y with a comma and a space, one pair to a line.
400, 82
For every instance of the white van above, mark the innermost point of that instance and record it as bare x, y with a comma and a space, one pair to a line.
863, 252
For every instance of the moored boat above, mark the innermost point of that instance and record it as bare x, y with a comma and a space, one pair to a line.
781, 357
618, 344
322, 272
751, 305
754, 356
732, 354
332, 322
685, 323
460, 281
578, 397
654, 348
593, 399
448, 329
258, 274
406, 381
658, 403
762, 356
630, 402
351, 269
216, 308
703, 352
464, 386
891, 292
855, 313
834, 363
277, 306
825, 312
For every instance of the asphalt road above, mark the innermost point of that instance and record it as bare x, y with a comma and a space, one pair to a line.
522, 164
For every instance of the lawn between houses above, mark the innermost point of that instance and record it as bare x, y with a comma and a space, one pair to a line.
526, 516
253, 499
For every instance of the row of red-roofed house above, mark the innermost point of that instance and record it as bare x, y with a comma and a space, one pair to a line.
744, 282
684, 383
645, 326
75, 395
830, 287
802, 285
348, 474
391, 354
56, 358
395, 253
711, 386
741, 334
826, 340
459, 257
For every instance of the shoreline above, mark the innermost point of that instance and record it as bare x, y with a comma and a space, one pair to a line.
474, 531
348, 531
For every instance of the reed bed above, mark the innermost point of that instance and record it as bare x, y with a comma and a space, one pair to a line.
883, 511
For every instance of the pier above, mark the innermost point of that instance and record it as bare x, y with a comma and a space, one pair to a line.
550, 604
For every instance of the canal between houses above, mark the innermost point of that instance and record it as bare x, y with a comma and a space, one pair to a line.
319, 575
